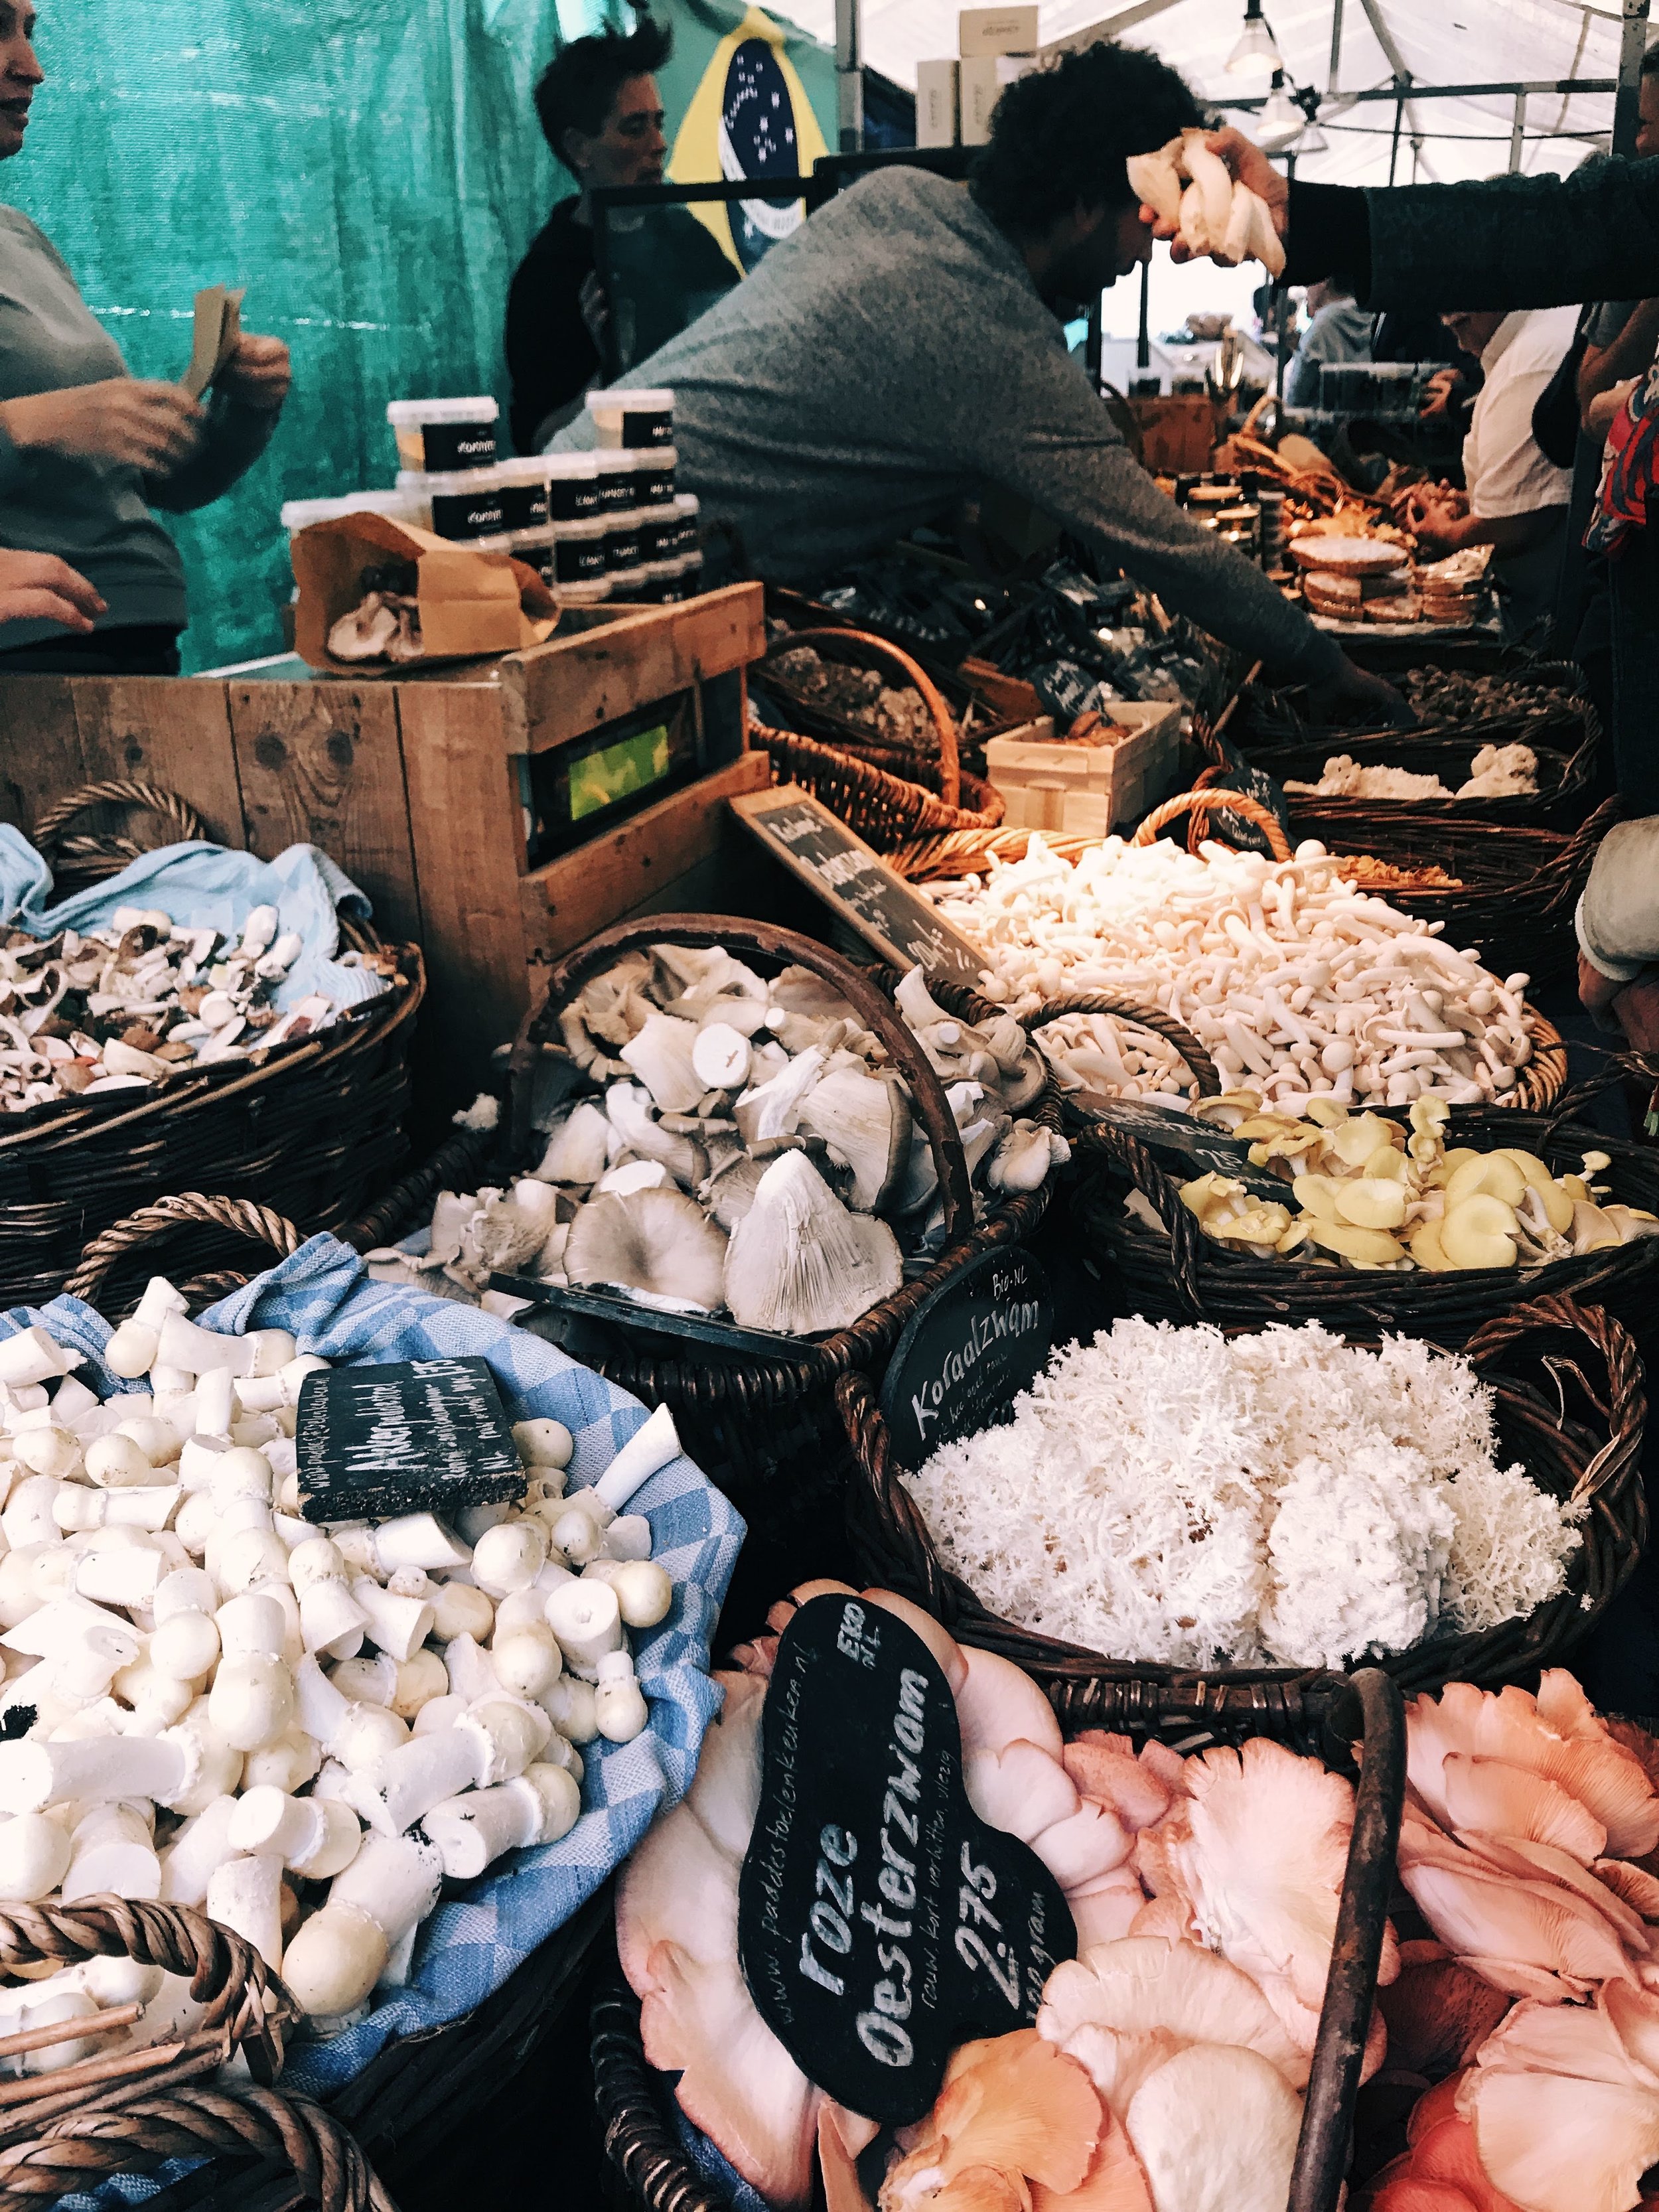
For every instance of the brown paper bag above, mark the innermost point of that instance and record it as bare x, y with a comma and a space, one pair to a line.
471, 603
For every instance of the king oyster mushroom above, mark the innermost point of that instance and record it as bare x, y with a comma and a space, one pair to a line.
798, 1263
658, 1245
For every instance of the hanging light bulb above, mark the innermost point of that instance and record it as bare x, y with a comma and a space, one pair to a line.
1257, 53
1280, 120
1312, 141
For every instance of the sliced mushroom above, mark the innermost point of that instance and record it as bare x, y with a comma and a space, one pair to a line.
657, 1243
720, 1057
798, 1261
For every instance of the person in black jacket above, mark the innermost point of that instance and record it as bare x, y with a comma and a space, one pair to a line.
601, 113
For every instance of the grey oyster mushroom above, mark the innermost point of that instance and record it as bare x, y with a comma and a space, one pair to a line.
578, 1146
800, 1262
657, 1244
660, 1055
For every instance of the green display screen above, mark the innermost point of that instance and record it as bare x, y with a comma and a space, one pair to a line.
618, 771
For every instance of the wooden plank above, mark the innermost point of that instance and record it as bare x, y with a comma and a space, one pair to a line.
621, 872
322, 764
572, 685
174, 732
40, 756
467, 825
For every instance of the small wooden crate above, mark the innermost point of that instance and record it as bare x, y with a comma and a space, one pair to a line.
414, 785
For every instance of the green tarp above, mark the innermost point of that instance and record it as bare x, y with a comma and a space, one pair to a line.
370, 170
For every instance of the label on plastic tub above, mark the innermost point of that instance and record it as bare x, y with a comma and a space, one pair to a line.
622, 543
572, 498
649, 425
524, 506
880, 1921
466, 514
578, 560
450, 446
653, 481
418, 1436
660, 536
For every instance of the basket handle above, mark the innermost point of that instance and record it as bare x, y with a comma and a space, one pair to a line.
1208, 800
734, 934
324, 2161
950, 766
1344, 2017
1146, 1018
106, 856
1617, 1367
242, 1215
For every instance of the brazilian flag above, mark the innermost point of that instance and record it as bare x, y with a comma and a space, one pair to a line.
749, 118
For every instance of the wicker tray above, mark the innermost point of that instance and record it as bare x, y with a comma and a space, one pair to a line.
889, 799
1593, 1452
312, 1129
649, 2170
765, 1430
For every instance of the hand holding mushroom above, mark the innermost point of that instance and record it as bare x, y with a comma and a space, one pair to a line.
1196, 202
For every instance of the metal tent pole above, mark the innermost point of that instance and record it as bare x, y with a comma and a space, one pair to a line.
1632, 46
1517, 134
849, 74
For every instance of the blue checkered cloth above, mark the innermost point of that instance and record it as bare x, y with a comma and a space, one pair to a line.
482, 1929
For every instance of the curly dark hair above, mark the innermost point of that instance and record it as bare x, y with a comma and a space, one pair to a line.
575, 90
1061, 134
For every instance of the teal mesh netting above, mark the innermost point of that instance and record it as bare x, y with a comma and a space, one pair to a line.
371, 170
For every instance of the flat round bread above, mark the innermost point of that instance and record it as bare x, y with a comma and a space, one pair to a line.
1406, 609
1350, 556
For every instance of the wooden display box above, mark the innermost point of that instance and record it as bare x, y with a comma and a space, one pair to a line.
1178, 431
416, 788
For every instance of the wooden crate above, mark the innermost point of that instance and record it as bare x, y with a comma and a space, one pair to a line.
1178, 431
414, 786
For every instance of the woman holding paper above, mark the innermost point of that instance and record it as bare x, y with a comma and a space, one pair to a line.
86, 450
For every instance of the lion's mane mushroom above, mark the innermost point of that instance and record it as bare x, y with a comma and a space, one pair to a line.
657, 1244
800, 1262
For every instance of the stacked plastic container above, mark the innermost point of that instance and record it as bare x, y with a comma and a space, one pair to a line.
456, 486
622, 497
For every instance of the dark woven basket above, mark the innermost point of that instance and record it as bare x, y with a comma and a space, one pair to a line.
1188, 1276
765, 1430
859, 648
1560, 802
1267, 721
1572, 1353
866, 790
90, 855
420, 2086
132, 2111
650, 2170
312, 1129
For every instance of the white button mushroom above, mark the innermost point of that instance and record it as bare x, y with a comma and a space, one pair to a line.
586, 1619
619, 1705
111, 1848
543, 1443
245, 1894
472, 1832
318, 1838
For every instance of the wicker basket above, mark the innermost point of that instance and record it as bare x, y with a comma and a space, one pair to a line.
136, 2110
859, 645
650, 2170
888, 810
1265, 721
765, 1430
313, 1128
88, 856
1592, 1454
1560, 802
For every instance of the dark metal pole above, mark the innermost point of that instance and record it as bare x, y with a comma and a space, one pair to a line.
1143, 339
1632, 46
1394, 149
1282, 324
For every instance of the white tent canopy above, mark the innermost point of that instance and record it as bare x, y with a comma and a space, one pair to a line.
1436, 42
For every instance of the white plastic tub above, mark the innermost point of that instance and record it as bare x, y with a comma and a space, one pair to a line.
437, 436
632, 418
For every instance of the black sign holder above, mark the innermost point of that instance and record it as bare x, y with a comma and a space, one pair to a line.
966, 1351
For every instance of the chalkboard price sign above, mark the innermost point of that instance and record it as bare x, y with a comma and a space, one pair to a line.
855, 883
966, 1353
880, 1921
420, 1436
1199, 1149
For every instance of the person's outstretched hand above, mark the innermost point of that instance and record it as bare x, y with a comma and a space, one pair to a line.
1354, 695
1248, 165
40, 587
127, 419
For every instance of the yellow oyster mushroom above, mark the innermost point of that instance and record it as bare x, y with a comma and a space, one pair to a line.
1316, 1193
1366, 1247
1387, 1165
1424, 1246
1326, 1112
1356, 1141
1371, 1202
1227, 1102
1480, 1230
1577, 1189
1207, 1191
1632, 1222
1451, 1160
1593, 1230
1294, 1238
1261, 1224
1487, 1172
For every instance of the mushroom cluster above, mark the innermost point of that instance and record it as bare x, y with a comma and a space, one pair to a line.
301, 1729
746, 1148
1497, 772
386, 624
126, 1006
1371, 1195
1188, 185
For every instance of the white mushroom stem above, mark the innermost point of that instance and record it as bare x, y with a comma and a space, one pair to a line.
76, 1508
644, 1592
126, 1576
98, 1770
619, 1705
396, 1626
494, 1741
357, 1735
417, 1540
245, 1895
32, 1356
472, 1832
628, 1537
650, 1448
339, 1953
331, 1620
200, 1846
569, 1704
34, 1856
316, 1837
587, 1618
112, 1850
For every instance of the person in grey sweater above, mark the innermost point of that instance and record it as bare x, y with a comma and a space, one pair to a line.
86, 450
902, 349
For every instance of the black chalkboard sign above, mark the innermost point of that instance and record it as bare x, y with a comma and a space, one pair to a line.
419, 1436
965, 1352
1199, 1149
880, 1921
856, 883
1255, 783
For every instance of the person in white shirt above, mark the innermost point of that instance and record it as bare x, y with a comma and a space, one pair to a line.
1516, 499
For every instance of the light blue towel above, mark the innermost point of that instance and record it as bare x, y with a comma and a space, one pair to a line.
482, 1929
206, 887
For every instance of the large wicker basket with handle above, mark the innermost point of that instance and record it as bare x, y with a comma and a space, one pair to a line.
650, 2170
1570, 1404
